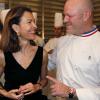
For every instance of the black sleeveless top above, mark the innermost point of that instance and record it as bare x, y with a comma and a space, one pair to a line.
16, 75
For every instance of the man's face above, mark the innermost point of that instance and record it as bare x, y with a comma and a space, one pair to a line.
58, 31
73, 19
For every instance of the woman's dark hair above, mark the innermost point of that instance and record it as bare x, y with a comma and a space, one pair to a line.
9, 40
1, 27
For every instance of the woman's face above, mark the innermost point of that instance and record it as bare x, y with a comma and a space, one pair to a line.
27, 27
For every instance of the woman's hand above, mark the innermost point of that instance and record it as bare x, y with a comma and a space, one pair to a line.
15, 95
29, 88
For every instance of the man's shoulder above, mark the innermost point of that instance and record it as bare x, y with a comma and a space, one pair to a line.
62, 38
53, 39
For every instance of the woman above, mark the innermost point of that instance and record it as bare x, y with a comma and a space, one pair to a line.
24, 65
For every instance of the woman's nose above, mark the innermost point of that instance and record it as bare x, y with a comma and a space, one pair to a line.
34, 25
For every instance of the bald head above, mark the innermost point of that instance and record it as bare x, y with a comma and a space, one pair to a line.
81, 5
78, 16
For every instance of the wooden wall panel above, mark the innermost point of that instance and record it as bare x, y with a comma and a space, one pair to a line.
96, 4
51, 6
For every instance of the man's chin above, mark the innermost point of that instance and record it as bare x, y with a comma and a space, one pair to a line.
69, 32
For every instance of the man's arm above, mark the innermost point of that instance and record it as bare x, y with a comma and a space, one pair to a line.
62, 90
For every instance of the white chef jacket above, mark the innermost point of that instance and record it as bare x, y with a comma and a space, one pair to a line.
78, 64
51, 44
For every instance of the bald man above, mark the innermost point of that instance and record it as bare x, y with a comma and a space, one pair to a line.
77, 55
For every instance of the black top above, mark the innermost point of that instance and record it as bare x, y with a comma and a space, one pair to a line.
16, 75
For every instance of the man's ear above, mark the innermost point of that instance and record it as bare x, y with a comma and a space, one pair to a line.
15, 27
87, 15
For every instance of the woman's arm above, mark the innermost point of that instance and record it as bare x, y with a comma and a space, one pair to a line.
43, 79
2, 64
12, 93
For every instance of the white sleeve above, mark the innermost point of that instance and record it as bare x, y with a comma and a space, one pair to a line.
52, 60
47, 46
88, 93
51, 44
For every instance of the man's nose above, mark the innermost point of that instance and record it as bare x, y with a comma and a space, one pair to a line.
66, 19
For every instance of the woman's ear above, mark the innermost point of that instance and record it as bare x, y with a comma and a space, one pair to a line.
16, 29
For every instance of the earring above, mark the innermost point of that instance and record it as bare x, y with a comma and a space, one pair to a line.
18, 34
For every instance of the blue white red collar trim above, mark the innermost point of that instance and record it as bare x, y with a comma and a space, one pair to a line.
93, 31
